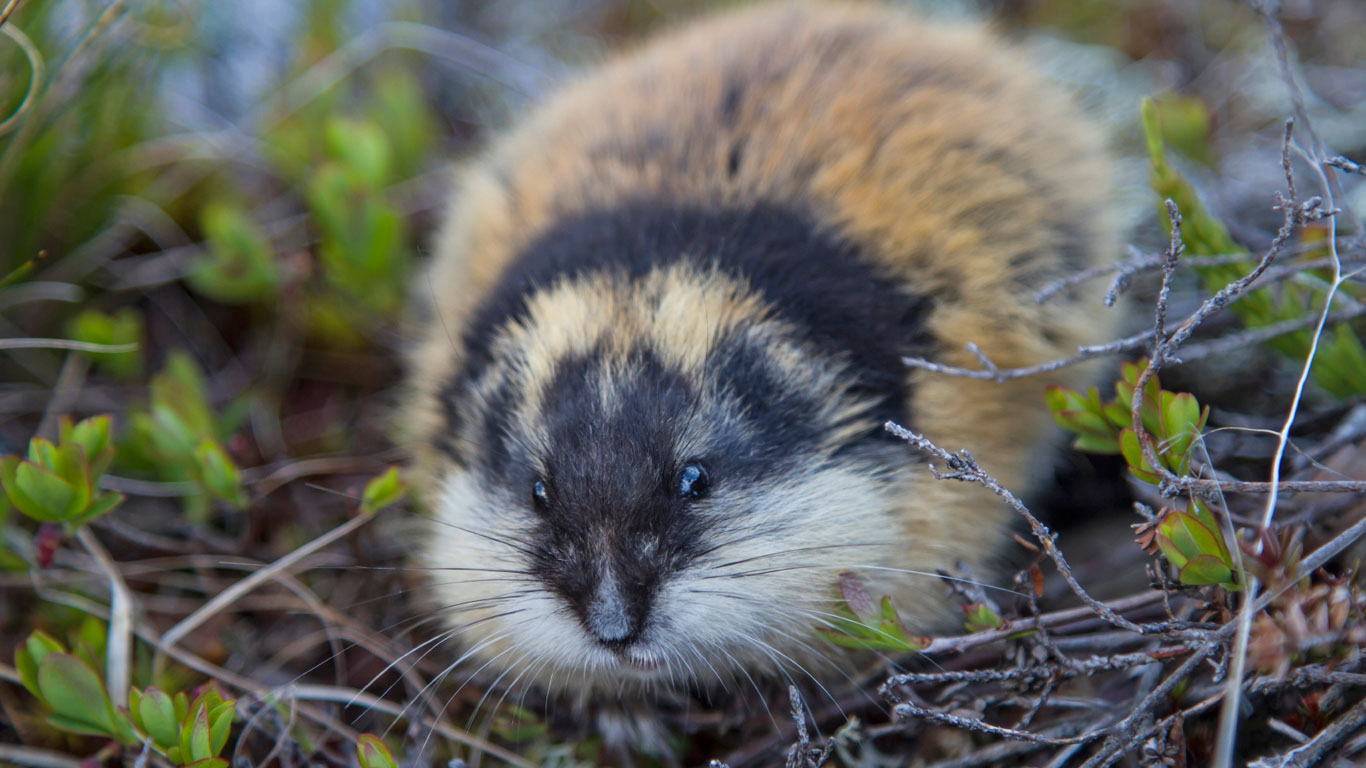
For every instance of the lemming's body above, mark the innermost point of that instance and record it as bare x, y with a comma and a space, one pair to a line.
669, 316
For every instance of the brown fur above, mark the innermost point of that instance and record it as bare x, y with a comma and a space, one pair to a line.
931, 147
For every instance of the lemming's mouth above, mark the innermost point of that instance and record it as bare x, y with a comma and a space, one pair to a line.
645, 662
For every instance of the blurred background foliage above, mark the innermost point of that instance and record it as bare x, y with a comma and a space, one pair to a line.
232, 200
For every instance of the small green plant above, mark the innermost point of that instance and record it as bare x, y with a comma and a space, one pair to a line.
980, 617
1191, 539
71, 689
362, 250
58, 185
187, 732
191, 733
865, 625
1173, 421
1340, 363
121, 328
59, 483
240, 265
178, 436
372, 752
382, 491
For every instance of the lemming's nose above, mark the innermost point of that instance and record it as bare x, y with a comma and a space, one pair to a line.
608, 615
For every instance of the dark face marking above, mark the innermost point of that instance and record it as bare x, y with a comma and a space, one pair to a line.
630, 460
615, 525
839, 301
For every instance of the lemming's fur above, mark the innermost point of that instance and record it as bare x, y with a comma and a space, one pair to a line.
669, 315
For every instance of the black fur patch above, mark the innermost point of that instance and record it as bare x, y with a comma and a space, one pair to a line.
840, 302
612, 492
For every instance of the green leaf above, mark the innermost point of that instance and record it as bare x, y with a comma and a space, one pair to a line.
28, 671
1170, 551
1056, 397
1118, 414
194, 736
28, 656
382, 491
40, 644
1207, 541
123, 327
1097, 443
1180, 425
36, 491
980, 618
361, 147
74, 692
220, 723
93, 436
156, 716
373, 753
70, 463
1184, 124
102, 505
1133, 454
1174, 528
74, 725
219, 474
401, 108
1203, 570
887, 634
92, 641
240, 267
134, 705
1084, 423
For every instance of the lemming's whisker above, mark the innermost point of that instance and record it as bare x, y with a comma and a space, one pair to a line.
724, 593
393, 568
437, 716
536, 670
772, 654
446, 671
823, 617
719, 677
816, 653
434, 643
529, 668
488, 689
775, 569
945, 577
467, 604
794, 550
523, 547
398, 592
450, 668
802, 668
416, 621
861, 567
735, 664
489, 580
516, 571
801, 615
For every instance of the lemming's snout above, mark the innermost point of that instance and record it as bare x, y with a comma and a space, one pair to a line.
609, 612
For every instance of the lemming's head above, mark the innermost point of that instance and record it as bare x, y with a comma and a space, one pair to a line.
654, 471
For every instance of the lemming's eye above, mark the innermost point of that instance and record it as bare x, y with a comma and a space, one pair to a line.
692, 482
539, 495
